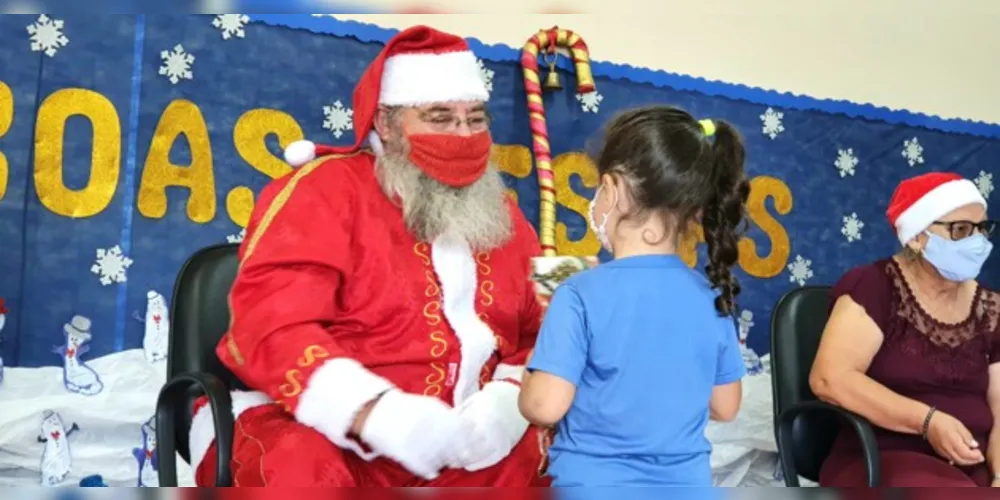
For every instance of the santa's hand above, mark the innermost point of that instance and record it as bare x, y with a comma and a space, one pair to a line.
492, 425
419, 432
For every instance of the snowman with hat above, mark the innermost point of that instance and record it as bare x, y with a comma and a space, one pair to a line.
77, 376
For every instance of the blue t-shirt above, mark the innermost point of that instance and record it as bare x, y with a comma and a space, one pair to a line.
642, 342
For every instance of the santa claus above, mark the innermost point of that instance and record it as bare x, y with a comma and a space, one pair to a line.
383, 308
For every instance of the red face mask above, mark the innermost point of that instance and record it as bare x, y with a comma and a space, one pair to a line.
453, 160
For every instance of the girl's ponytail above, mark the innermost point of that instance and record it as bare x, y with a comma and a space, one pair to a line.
724, 215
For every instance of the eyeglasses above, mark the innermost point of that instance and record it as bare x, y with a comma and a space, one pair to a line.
443, 119
961, 229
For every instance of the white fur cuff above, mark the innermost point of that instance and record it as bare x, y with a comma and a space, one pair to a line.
505, 371
334, 395
507, 417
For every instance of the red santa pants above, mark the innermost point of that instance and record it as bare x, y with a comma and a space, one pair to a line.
271, 449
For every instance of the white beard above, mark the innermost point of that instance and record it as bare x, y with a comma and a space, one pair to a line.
478, 214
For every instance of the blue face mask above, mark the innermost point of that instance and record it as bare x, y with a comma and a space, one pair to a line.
958, 260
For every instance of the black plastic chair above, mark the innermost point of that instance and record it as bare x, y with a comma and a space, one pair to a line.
804, 426
199, 317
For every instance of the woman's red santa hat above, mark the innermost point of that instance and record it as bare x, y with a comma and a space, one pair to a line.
420, 65
920, 201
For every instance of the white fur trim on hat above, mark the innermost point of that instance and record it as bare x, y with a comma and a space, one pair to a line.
936, 203
299, 153
414, 79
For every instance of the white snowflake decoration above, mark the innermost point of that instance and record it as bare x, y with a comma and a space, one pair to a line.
846, 162
47, 36
913, 151
238, 237
985, 183
111, 265
771, 120
590, 102
176, 64
800, 271
338, 118
231, 24
486, 74
852, 227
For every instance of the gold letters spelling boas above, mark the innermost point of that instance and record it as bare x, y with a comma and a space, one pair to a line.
183, 117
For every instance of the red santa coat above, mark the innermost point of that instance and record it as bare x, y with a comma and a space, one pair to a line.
336, 302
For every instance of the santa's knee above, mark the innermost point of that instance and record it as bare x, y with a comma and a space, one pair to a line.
269, 448
295, 455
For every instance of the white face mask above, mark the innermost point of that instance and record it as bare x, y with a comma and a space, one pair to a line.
601, 230
960, 260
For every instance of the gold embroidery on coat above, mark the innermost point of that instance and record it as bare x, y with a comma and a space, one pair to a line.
293, 387
432, 310
310, 354
440, 344
434, 380
486, 300
484, 290
432, 315
482, 258
432, 289
423, 251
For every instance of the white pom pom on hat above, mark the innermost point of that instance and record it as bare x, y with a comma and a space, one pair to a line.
299, 153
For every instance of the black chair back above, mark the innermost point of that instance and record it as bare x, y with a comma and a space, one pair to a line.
199, 317
797, 324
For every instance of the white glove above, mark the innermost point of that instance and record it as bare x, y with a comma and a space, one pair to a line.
419, 432
492, 425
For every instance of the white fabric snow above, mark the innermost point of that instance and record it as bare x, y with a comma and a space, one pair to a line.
109, 424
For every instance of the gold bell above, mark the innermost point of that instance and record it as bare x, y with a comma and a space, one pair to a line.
552, 79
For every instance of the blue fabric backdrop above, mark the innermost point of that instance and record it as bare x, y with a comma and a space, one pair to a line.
298, 65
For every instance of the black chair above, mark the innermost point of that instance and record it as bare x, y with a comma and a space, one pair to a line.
199, 317
804, 426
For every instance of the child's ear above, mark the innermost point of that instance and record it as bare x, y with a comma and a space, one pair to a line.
621, 197
607, 182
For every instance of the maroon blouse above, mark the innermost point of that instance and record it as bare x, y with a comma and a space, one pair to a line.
941, 364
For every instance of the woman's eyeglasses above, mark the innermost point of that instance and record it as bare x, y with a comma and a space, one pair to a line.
961, 229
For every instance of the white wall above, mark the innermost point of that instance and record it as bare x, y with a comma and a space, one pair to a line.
930, 56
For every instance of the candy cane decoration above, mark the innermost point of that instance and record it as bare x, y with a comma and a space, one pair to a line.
549, 39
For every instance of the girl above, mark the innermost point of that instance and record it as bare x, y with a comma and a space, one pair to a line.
635, 355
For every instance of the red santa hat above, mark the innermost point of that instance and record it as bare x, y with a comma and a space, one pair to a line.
420, 65
921, 200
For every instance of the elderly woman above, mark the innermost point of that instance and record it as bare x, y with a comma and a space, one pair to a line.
913, 345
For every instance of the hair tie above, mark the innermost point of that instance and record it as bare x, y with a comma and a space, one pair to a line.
708, 127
